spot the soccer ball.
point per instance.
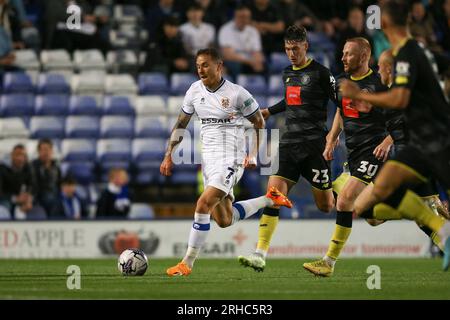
(132, 262)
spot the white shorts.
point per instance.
(222, 176)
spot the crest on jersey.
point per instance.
(202, 100)
(305, 79)
(225, 103)
(402, 68)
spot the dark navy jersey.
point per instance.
(396, 126)
(427, 114)
(307, 92)
(363, 131)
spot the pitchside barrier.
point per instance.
(293, 239)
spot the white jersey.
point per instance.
(221, 113)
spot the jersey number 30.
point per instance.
(371, 169)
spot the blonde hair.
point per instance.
(363, 45)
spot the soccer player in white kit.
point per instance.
(221, 107)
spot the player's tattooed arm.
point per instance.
(258, 122)
(176, 137)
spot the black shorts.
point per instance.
(305, 159)
(364, 167)
(426, 166)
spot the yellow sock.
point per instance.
(338, 241)
(436, 240)
(340, 181)
(267, 226)
(412, 207)
(382, 211)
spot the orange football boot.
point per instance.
(278, 198)
(181, 269)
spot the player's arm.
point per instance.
(276, 108)
(395, 98)
(332, 139)
(381, 152)
(258, 122)
(174, 140)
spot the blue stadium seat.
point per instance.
(184, 177)
(113, 150)
(47, 127)
(153, 83)
(262, 101)
(116, 127)
(276, 85)
(148, 149)
(255, 84)
(278, 61)
(106, 166)
(82, 171)
(118, 105)
(180, 82)
(16, 105)
(83, 105)
(78, 150)
(148, 126)
(52, 83)
(51, 105)
(141, 211)
(17, 82)
(82, 127)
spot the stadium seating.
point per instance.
(16, 104)
(13, 128)
(278, 61)
(27, 60)
(141, 211)
(78, 150)
(88, 83)
(122, 61)
(116, 127)
(150, 105)
(52, 60)
(151, 126)
(84, 105)
(17, 82)
(255, 84)
(89, 60)
(52, 83)
(276, 85)
(47, 127)
(119, 105)
(174, 105)
(180, 83)
(51, 105)
(128, 14)
(148, 149)
(122, 84)
(82, 171)
(153, 83)
(113, 150)
(82, 127)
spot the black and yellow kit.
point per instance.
(364, 131)
(307, 92)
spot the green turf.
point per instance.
(224, 279)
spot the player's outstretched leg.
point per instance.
(267, 226)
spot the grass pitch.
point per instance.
(224, 279)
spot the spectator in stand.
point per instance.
(215, 12)
(157, 14)
(421, 19)
(355, 28)
(443, 27)
(196, 34)
(298, 13)
(10, 36)
(115, 200)
(267, 19)
(56, 35)
(240, 44)
(16, 180)
(69, 205)
(167, 54)
(46, 175)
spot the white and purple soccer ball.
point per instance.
(132, 262)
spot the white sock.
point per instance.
(244, 209)
(331, 262)
(261, 252)
(197, 237)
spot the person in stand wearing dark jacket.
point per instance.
(69, 205)
(115, 200)
(47, 176)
